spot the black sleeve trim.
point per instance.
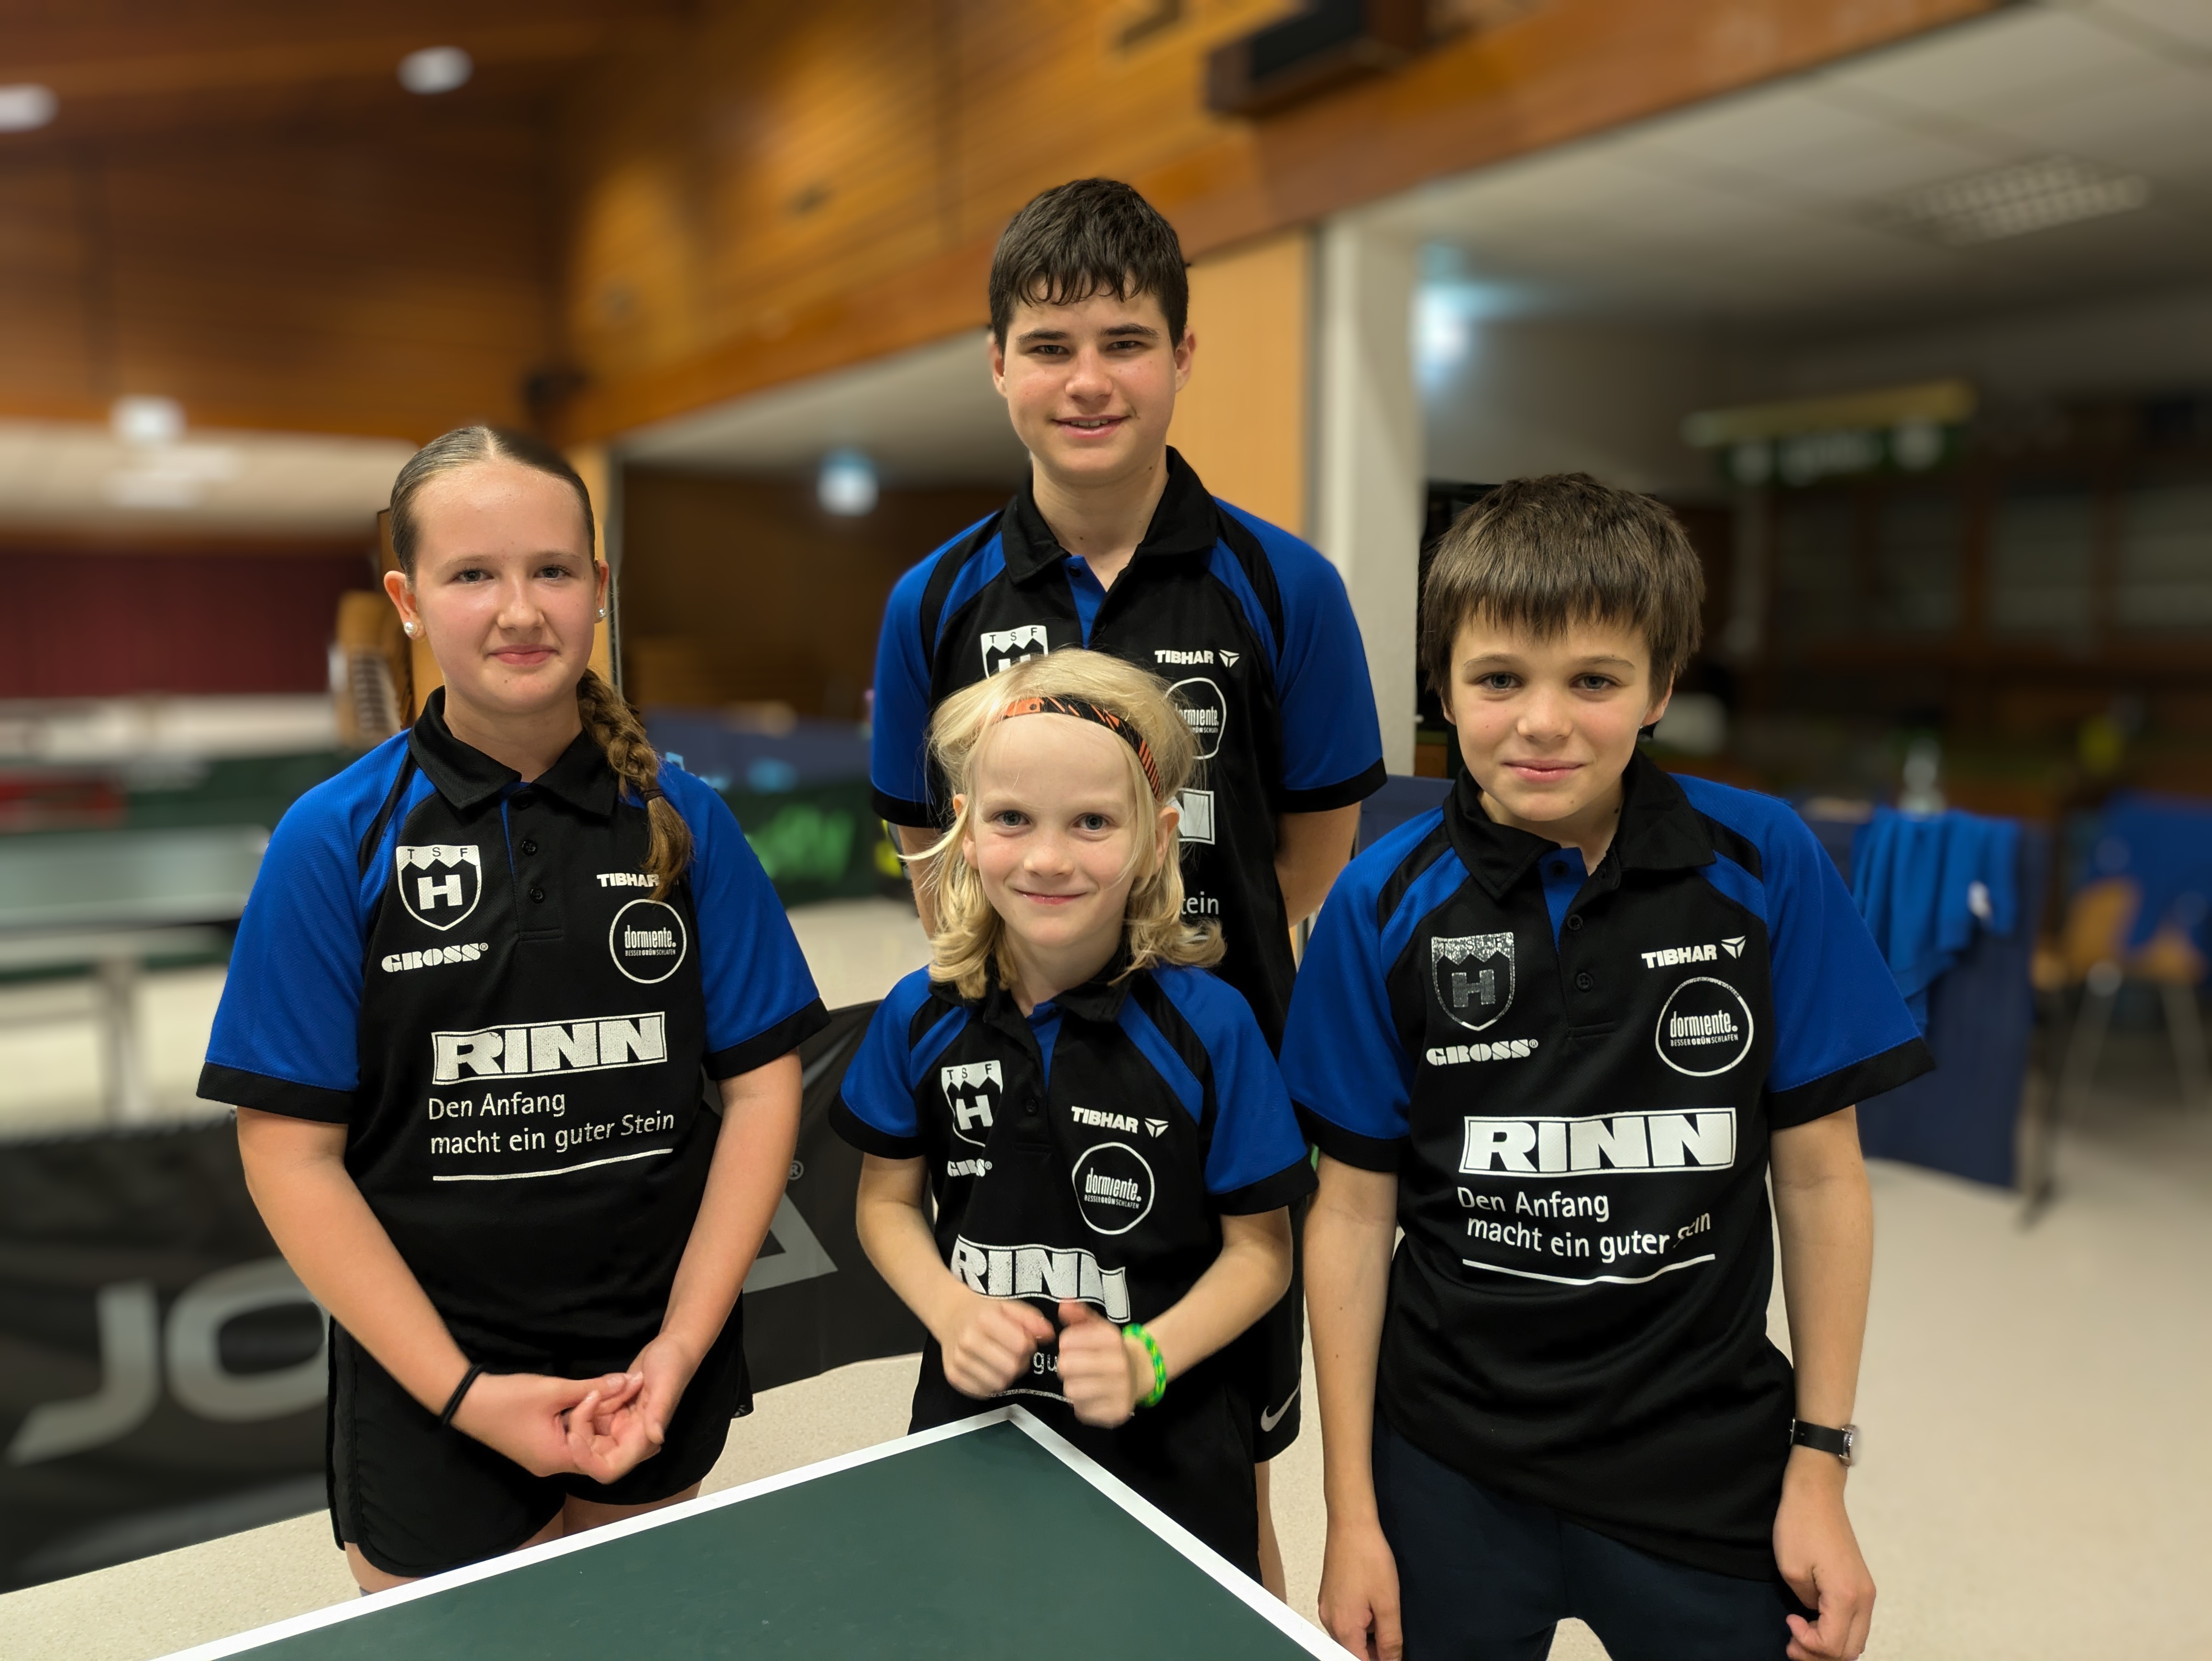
(1356, 789)
(786, 1035)
(914, 815)
(852, 1127)
(235, 1088)
(1349, 1146)
(1786, 1108)
(1272, 1193)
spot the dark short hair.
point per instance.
(1088, 237)
(1544, 554)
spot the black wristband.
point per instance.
(1821, 1439)
(453, 1402)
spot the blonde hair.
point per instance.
(970, 939)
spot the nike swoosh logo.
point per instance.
(1269, 1421)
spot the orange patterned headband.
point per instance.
(1083, 709)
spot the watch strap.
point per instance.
(1824, 1438)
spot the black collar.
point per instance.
(1659, 830)
(468, 778)
(1185, 522)
(1098, 998)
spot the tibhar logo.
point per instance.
(1474, 977)
(1704, 1028)
(552, 1047)
(1205, 711)
(449, 890)
(1701, 1139)
(1004, 647)
(1061, 1273)
(626, 879)
(1155, 1127)
(1124, 1122)
(1505, 1050)
(1168, 654)
(969, 1089)
(1197, 823)
(1669, 956)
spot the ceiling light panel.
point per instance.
(2014, 201)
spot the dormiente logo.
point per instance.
(1060, 1273)
(397, 962)
(1004, 647)
(970, 1088)
(548, 1048)
(1669, 956)
(1113, 1187)
(1474, 977)
(439, 884)
(647, 940)
(1705, 1027)
(1699, 1138)
(1205, 711)
(1505, 1050)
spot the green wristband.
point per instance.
(1135, 1330)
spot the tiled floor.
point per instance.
(2038, 1453)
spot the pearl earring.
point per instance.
(411, 629)
(603, 614)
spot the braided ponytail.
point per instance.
(615, 727)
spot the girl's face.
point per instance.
(505, 590)
(1053, 832)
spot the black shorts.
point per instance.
(1270, 1355)
(417, 1499)
(1486, 1576)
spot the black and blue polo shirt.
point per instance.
(1574, 1075)
(1088, 1150)
(1250, 626)
(469, 974)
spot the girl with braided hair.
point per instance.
(471, 998)
(1096, 1117)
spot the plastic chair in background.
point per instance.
(2092, 956)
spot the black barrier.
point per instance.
(161, 1372)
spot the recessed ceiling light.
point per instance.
(846, 486)
(436, 69)
(2011, 201)
(147, 420)
(25, 106)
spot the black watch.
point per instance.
(1823, 1439)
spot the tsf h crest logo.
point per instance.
(440, 884)
(1004, 647)
(972, 1090)
(1474, 977)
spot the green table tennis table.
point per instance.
(990, 1538)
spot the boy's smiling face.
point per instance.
(1091, 386)
(1547, 724)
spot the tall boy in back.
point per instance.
(1560, 1031)
(1114, 544)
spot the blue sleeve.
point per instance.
(1255, 1159)
(761, 1001)
(1347, 1070)
(287, 1031)
(1332, 741)
(898, 764)
(1841, 1029)
(875, 1109)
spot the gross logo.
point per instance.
(1004, 647)
(440, 884)
(1113, 1187)
(971, 1090)
(1205, 711)
(647, 940)
(1474, 977)
(1705, 1027)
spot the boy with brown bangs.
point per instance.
(1114, 544)
(1560, 1031)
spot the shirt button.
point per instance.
(528, 846)
(1583, 983)
(538, 895)
(1575, 921)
